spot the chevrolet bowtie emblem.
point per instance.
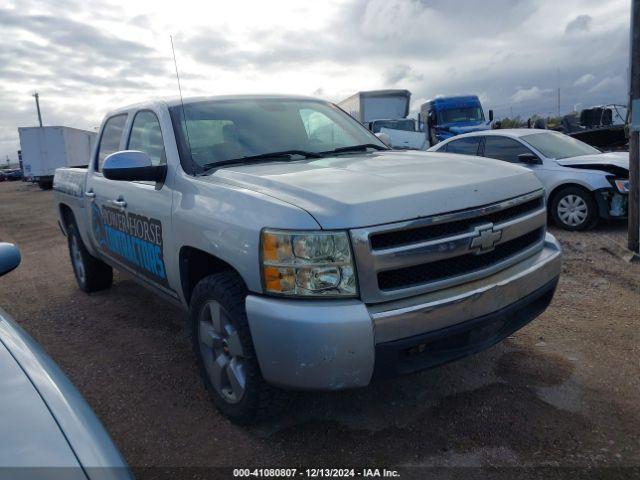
(485, 238)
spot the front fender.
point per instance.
(225, 221)
(588, 179)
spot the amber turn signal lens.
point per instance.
(269, 247)
(279, 279)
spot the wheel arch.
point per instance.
(66, 216)
(196, 264)
(595, 215)
(561, 186)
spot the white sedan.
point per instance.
(582, 184)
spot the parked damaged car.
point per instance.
(582, 184)
(47, 430)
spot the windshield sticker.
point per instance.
(132, 239)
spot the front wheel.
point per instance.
(226, 358)
(573, 208)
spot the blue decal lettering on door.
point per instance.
(132, 239)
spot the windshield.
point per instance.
(558, 145)
(404, 124)
(466, 114)
(224, 130)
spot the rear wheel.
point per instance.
(573, 208)
(91, 274)
(226, 358)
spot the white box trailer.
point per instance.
(377, 105)
(46, 148)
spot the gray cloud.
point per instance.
(364, 32)
(581, 23)
(585, 79)
(512, 53)
(401, 73)
(73, 35)
(66, 61)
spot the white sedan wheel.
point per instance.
(573, 210)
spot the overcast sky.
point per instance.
(87, 57)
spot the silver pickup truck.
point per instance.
(307, 254)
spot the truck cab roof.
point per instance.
(175, 101)
(454, 101)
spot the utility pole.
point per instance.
(558, 75)
(37, 97)
(634, 136)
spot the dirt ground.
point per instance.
(562, 392)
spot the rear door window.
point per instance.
(464, 146)
(110, 139)
(503, 148)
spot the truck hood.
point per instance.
(352, 191)
(615, 159)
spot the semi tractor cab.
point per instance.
(445, 117)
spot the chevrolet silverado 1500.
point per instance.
(307, 254)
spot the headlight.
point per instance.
(622, 184)
(307, 264)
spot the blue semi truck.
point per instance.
(444, 117)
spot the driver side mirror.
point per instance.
(529, 158)
(132, 165)
(9, 257)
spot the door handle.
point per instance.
(90, 194)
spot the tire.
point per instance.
(226, 358)
(573, 208)
(91, 274)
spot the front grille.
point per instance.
(399, 238)
(413, 257)
(452, 267)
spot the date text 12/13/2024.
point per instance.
(316, 472)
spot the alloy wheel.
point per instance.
(76, 258)
(221, 352)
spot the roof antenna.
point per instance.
(184, 115)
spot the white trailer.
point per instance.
(377, 105)
(46, 148)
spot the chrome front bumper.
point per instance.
(333, 344)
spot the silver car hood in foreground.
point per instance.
(29, 435)
(618, 159)
(358, 190)
(44, 421)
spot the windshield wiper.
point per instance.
(263, 156)
(356, 148)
